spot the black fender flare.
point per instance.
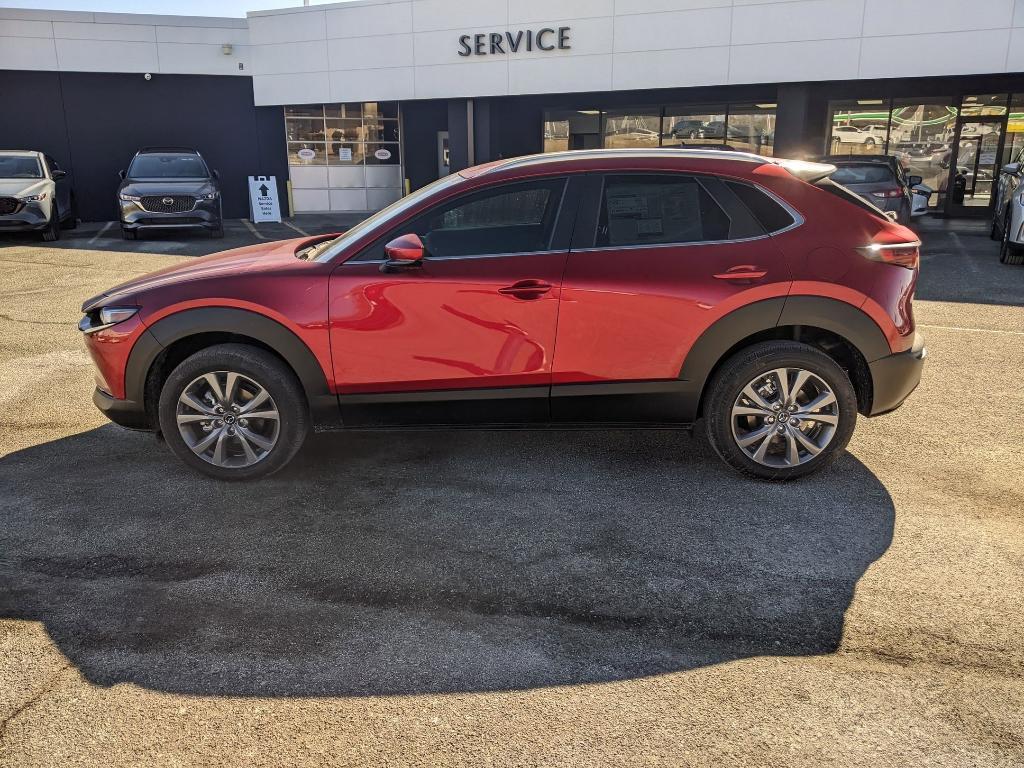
(842, 319)
(242, 322)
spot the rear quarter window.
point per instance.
(772, 216)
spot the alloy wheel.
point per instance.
(228, 419)
(784, 417)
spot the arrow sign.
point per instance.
(263, 202)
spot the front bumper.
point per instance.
(894, 377)
(124, 412)
(28, 217)
(205, 215)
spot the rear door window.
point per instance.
(656, 209)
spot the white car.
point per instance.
(1008, 212)
(851, 134)
(35, 194)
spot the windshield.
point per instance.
(863, 174)
(20, 167)
(167, 165)
(330, 249)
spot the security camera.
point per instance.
(148, 76)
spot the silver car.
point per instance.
(1008, 212)
(35, 194)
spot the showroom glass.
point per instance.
(654, 210)
(691, 125)
(20, 168)
(631, 129)
(1014, 129)
(858, 127)
(167, 166)
(984, 105)
(572, 129)
(345, 134)
(751, 128)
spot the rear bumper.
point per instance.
(894, 377)
(124, 412)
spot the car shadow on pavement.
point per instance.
(416, 562)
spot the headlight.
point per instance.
(130, 198)
(106, 317)
(207, 196)
(33, 198)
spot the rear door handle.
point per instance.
(526, 289)
(742, 273)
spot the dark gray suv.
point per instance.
(169, 188)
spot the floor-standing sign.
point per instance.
(263, 203)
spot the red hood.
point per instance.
(261, 257)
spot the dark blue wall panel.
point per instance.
(94, 122)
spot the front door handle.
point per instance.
(742, 273)
(526, 289)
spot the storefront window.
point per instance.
(921, 136)
(343, 134)
(633, 128)
(987, 105)
(751, 128)
(858, 127)
(572, 129)
(690, 125)
(1014, 129)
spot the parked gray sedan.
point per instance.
(35, 194)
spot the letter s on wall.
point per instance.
(464, 45)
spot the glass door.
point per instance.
(975, 162)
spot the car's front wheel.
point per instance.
(52, 231)
(780, 410)
(1009, 252)
(233, 412)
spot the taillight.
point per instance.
(901, 254)
(894, 192)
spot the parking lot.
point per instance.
(522, 598)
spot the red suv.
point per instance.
(627, 288)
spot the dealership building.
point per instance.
(351, 104)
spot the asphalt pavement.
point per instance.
(511, 598)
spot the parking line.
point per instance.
(98, 235)
(251, 228)
(971, 330)
(292, 226)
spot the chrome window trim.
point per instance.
(463, 258)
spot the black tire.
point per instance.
(52, 231)
(1009, 253)
(994, 232)
(217, 233)
(759, 359)
(129, 234)
(903, 217)
(260, 366)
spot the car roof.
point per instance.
(16, 152)
(179, 150)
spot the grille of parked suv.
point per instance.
(168, 203)
(156, 222)
(8, 205)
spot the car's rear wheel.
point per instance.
(1009, 252)
(780, 410)
(233, 412)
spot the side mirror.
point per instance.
(404, 252)
(122, 174)
(58, 175)
(216, 174)
(1012, 168)
(914, 180)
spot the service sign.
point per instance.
(263, 202)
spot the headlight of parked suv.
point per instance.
(207, 196)
(130, 198)
(105, 317)
(33, 198)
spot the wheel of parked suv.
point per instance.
(1009, 253)
(52, 231)
(780, 410)
(129, 234)
(72, 220)
(233, 412)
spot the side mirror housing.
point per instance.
(914, 180)
(404, 252)
(216, 174)
(1012, 168)
(57, 175)
(122, 174)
